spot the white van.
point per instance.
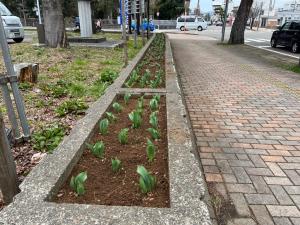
(12, 25)
(191, 23)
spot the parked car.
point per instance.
(219, 23)
(144, 25)
(12, 25)
(287, 35)
(191, 23)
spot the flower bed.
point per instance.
(121, 143)
(150, 72)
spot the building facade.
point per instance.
(290, 11)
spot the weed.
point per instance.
(47, 139)
(76, 107)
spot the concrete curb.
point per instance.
(31, 206)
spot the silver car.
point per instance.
(12, 25)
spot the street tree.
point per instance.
(237, 35)
(255, 12)
(55, 33)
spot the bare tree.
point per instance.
(55, 33)
(237, 35)
(255, 12)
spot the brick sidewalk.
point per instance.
(247, 128)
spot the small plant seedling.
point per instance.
(157, 97)
(103, 126)
(147, 181)
(123, 136)
(153, 120)
(153, 104)
(136, 119)
(141, 102)
(116, 165)
(147, 75)
(111, 117)
(127, 96)
(154, 133)
(77, 183)
(117, 107)
(150, 150)
(97, 149)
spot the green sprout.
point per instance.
(117, 107)
(153, 120)
(103, 126)
(127, 96)
(111, 117)
(157, 97)
(150, 150)
(147, 181)
(141, 103)
(154, 133)
(123, 136)
(153, 104)
(136, 119)
(116, 165)
(77, 183)
(97, 149)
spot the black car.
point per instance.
(287, 35)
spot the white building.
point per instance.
(290, 11)
(220, 4)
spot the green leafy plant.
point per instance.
(103, 126)
(47, 139)
(141, 102)
(154, 133)
(116, 165)
(117, 107)
(153, 120)
(132, 79)
(136, 119)
(147, 182)
(77, 183)
(150, 150)
(111, 117)
(123, 136)
(127, 96)
(97, 149)
(71, 107)
(153, 104)
(108, 75)
(157, 97)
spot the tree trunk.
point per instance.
(239, 25)
(55, 33)
(8, 175)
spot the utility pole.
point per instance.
(198, 8)
(124, 33)
(225, 20)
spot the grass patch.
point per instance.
(293, 68)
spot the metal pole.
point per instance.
(14, 85)
(124, 33)
(39, 11)
(148, 18)
(225, 21)
(8, 174)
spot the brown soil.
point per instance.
(103, 186)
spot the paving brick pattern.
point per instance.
(247, 131)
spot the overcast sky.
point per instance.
(206, 4)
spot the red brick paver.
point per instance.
(247, 130)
